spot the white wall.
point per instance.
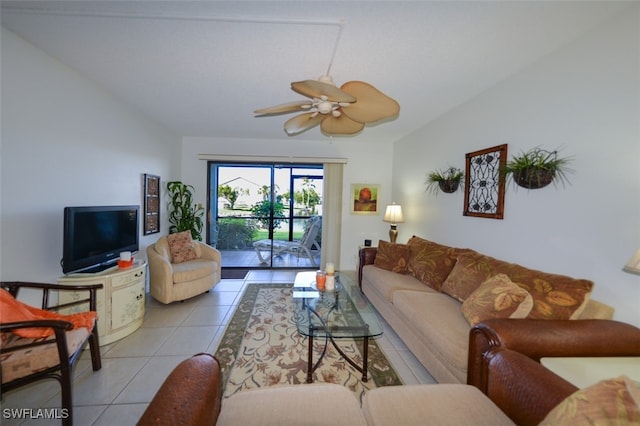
(367, 163)
(584, 99)
(65, 142)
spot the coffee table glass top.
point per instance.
(341, 313)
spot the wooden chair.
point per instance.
(305, 246)
(27, 360)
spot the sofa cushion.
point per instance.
(441, 404)
(392, 257)
(181, 247)
(611, 402)
(554, 296)
(386, 283)
(430, 262)
(312, 404)
(436, 321)
(497, 297)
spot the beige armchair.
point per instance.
(170, 281)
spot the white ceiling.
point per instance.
(201, 68)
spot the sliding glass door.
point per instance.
(265, 215)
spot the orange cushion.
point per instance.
(392, 257)
(498, 297)
(181, 247)
(430, 262)
(554, 296)
(12, 310)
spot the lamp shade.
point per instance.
(393, 214)
(633, 265)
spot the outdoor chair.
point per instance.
(302, 247)
(24, 360)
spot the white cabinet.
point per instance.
(121, 300)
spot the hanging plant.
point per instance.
(447, 181)
(184, 215)
(537, 168)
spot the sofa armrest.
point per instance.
(190, 395)
(522, 388)
(540, 338)
(366, 256)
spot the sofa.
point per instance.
(517, 389)
(181, 268)
(432, 295)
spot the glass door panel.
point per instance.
(260, 211)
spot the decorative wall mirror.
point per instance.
(485, 182)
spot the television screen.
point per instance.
(94, 236)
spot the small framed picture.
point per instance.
(364, 198)
(151, 215)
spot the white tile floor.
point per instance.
(133, 368)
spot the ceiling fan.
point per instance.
(338, 111)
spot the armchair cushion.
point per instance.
(181, 247)
(26, 361)
(612, 401)
(193, 270)
(12, 310)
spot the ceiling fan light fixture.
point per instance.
(325, 107)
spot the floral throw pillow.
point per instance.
(392, 257)
(430, 262)
(498, 297)
(554, 296)
(609, 402)
(181, 247)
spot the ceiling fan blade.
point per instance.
(341, 125)
(283, 108)
(318, 89)
(372, 105)
(302, 122)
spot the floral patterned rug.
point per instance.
(262, 347)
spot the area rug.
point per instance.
(262, 347)
(233, 274)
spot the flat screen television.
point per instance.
(94, 236)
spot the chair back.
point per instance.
(312, 227)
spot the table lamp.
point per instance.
(633, 265)
(393, 215)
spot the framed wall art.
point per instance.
(151, 215)
(485, 182)
(364, 198)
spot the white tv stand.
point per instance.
(121, 301)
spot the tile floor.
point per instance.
(133, 368)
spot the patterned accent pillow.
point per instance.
(498, 297)
(392, 257)
(609, 402)
(431, 262)
(181, 247)
(554, 296)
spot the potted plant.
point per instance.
(183, 213)
(447, 181)
(537, 168)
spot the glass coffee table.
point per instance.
(343, 313)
